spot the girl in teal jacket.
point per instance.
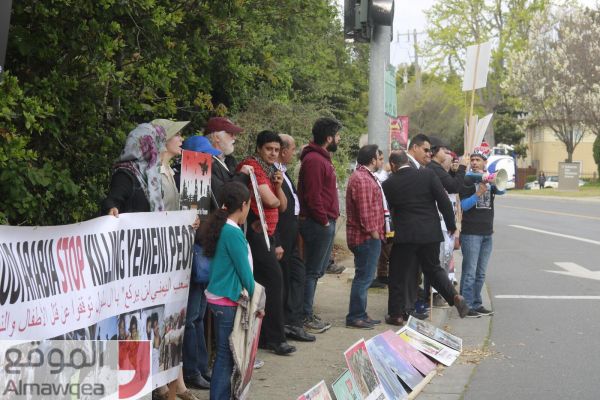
(230, 271)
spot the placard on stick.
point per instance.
(195, 193)
(476, 68)
(261, 210)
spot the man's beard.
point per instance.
(332, 147)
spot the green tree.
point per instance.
(453, 25)
(436, 109)
(596, 150)
(83, 74)
(507, 128)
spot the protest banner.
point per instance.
(109, 278)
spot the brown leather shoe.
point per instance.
(398, 321)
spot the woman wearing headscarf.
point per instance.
(136, 182)
(143, 181)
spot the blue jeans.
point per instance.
(220, 384)
(366, 256)
(476, 251)
(318, 243)
(195, 355)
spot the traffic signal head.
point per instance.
(361, 16)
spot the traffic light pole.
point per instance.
(380, 54)
(5, 7)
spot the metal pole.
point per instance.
(378, 125)
(417, 67)
(5, 7)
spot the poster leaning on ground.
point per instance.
(363, 373)
(434, 349)
(435, 333)
(317, 392)
(344, 387)
(109, 278)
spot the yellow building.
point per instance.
(545, 151)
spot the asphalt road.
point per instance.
(543, 347)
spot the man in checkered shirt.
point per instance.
(365, 230)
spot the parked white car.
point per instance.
(535, 185)
(551, 182)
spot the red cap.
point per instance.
(219, 124)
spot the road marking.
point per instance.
(556, 234)
(576, 270)
(551, 212)
(523, 296)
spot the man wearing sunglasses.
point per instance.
(419, 151)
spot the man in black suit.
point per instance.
(419, 151)
(412, 195)
(286, 236)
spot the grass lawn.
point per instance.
(588, 190)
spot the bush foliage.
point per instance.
(81, 74)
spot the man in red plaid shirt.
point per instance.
(364, 231)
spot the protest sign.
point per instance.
(386, 364)
(108, 278)
(430, 347)
(261, 210)
(318, 392)
(344, 387)
(362, 371)
(195, 182)
(435, 333)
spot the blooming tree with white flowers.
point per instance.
(557, 76)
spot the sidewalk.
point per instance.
(289, 377)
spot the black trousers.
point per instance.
(404, 263)
(267, 272)
(294, 272)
